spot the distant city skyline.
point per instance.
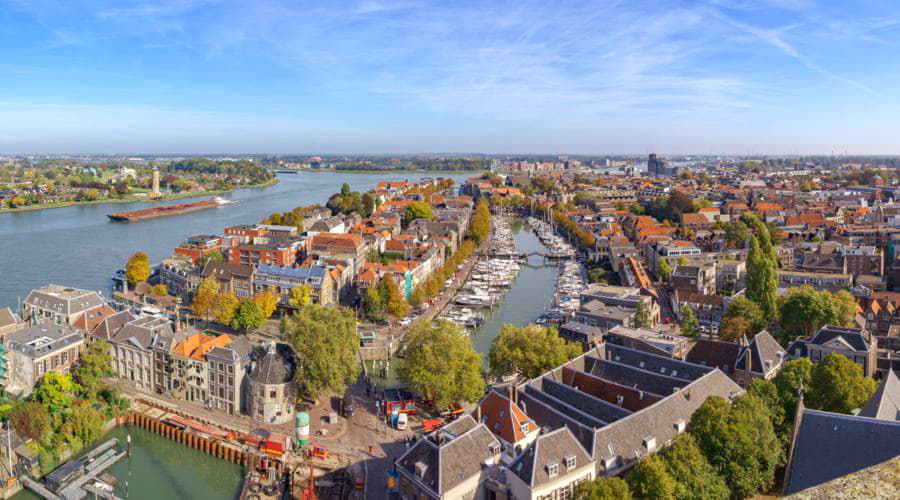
(731, 77)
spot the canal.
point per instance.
(79, 246)
(162, 468)
(528, 297)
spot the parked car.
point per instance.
(347, 406)
(402, 421)
(405, 321)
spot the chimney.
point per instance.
(478, 413)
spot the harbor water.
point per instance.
(161, 468)
(79, 246)
(530, 295)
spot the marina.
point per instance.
(489, 280)
(557, 246)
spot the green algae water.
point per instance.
(161, 468)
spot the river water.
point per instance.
(161, 468)
(79, 246)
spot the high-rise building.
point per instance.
(656, 166)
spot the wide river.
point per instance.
(79, 246)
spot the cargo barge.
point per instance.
(166, 210)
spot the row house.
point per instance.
(832, 282)
(708, 309)
(230, 277)
(347, 247)
(33, 351)
(175, 273)
(211, 370)
(699, 278)
(281, 280)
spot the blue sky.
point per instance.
(632, 76)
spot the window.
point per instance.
(570, 462)
(272, 393)
(553, 469)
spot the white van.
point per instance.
(402, 421)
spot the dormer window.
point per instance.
(570, 462)
(553, 469)
(649, 443)
(494, 448)
(680, 425)
(524, 428)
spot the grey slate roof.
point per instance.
(63, 299)
(554, 446)
(239, 348)
(831, 445)
(625, 437)
(40, 340)
(763, 348)
(458, 458)
(110, 325)
(275, 367)
(143, 332)
(855, 337)
(885, 402)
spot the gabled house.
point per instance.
(551, 467)
(508, 423)
(761, 358)
(455, 462)
(859, 345)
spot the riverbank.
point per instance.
(137, 199)
(393, 171)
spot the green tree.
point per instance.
(793, 375)
(418, 210)
(742, 307)
(248, 315)
(204, 304)
(839, 385)
(441, 364)
(137, 270)
(55, 391)
(805, 310)
(696, 479)
(225, 305)
(650, 479)
(689, 323)
(602, 488)
(529, 351)
(766, 392)
(736, 234)
(95, 363)
(664, 271)
(762, 279)
(327, 345)
(641, 317)
(739, 442)
(84, 423)
(598, 275)
(368, 203)
(345, 189)
(31, 420)
(301, 296)
(373, 306)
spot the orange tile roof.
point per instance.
(196, 346)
